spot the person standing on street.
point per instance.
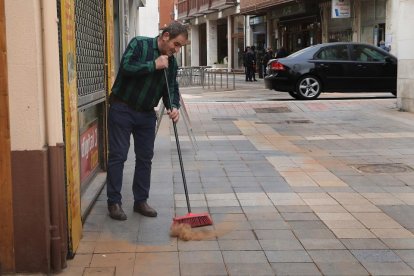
(139, 86)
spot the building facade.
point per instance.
(58, 62)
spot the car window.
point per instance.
(365, 53)
(337, 52)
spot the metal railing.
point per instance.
(206, 77)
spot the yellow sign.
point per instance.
(110, 43)
(71, 123)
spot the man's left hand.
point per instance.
(174, 114)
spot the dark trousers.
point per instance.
(122, 122)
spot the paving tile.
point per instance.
(393, 243)
(161, 263)
(198, 245)
(288, 256)
(238, 235)
(372, 256)
(335, 216)
(310, 244)
(262, 269)
(344, 224)
(297, 269)
(299, 216)
(118, 260)
(239, 245)
(392, 233)
(96, 271)
(332, 256)
(268, 224)
(80, 260)
(314, 234)
(388, 269)
(316, 224)
(191, 269)
(274, 234)
(247, 257)
(281, 244)
(406, 255)
(342, 268)
(201, 257)
(363, 244)
(328, 208)
(353, 233)
(376, 220)
(361, 208)
(294, 209)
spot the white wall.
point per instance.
(405, 45)
(148, 19)
(25, 74)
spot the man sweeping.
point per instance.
(139, 85)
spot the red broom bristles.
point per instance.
(194, 220)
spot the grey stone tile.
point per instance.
(274, 234)
(239, 245)
(198, 245)
(372, 256)
(363, 244)
(310, 244)
(288, 256)
(342, 268)
(403, 214)
(246, 257)
(399, 243)
(406, 255)
(297, 269)
(294, 209)
(242, 269)
(314, 234)
(388, 269)
(226, 210)
(316, 224)
(95, 271)
(191, 269)
(164, 263)
(268, 224)
(332, 256)
(299, 216)
(201, 257)
(239, 235)
(281, 244)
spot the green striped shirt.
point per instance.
(138, 83)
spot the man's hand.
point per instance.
(161, 62)
(174, 114)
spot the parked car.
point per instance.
(333, 67)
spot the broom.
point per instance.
(194, 220)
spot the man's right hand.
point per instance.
(161, 62)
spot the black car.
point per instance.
(333, 67)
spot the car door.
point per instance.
(332, 67)
(373, 69)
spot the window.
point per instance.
(337, 52)
(366, 53)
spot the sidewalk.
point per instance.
(308, 188)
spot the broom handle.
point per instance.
(177, 141)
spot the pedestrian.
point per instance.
(267, 56)
(139, 85)
(281, 53)
(254, 67)
(245, 63)
(383, 46)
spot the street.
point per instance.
(320, 187)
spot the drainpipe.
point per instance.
(54, 134)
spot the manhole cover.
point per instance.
(278, 109)
(383, 168)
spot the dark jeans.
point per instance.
(122, 122)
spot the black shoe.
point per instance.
(116, 212)
(254, 80)
(144, 209)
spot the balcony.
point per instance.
(222, 4)
(191, 8)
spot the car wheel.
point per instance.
(294, 95)
(308, 88)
